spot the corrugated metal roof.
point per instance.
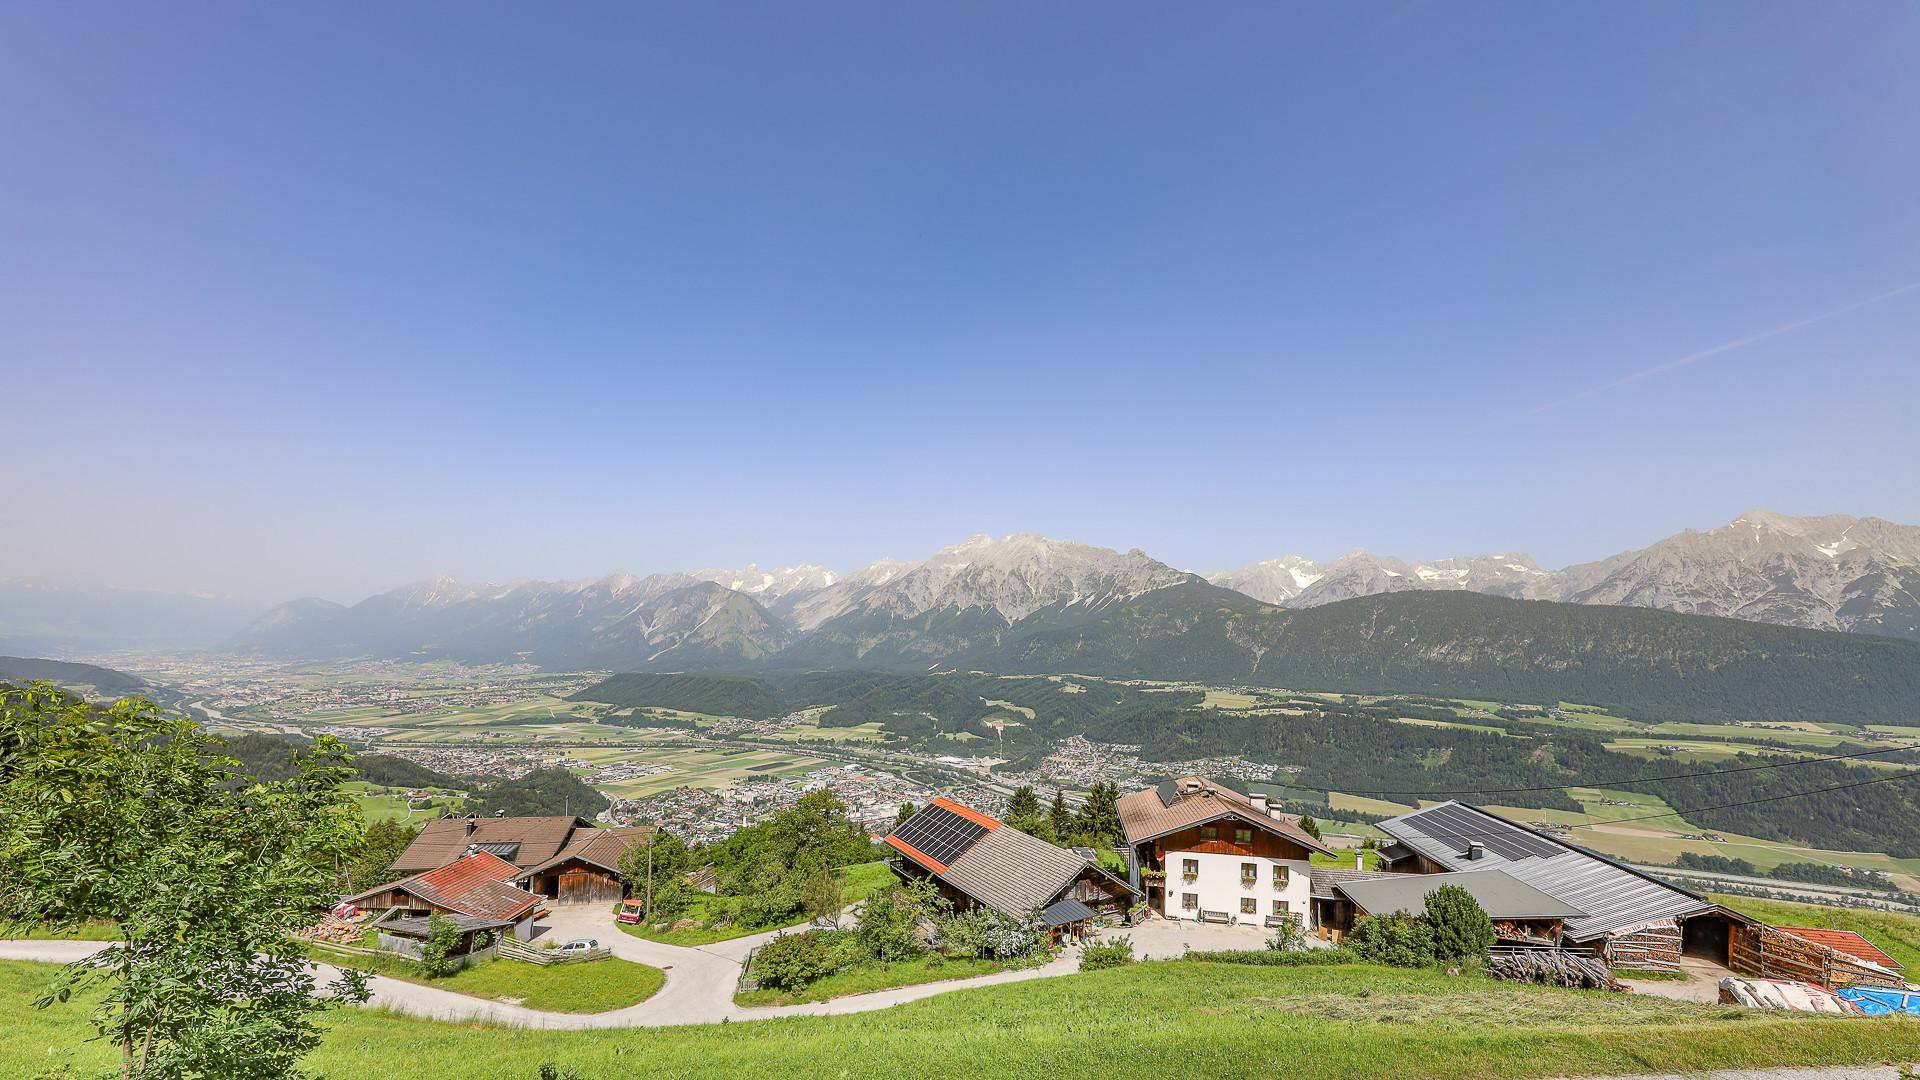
(1500, 894)
(1155, 812)
(1613, 897)
(1062, 912)
(1844, 941)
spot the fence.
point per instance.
(519, 950)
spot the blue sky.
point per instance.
(323, 298)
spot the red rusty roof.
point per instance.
(967, 812)
(474, 884)
(1844, 941)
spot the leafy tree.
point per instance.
(440, 952)
(656, 871)
(1399, 940)
(820, 897)
(382, 843)
(1058, 816)
(1461, 929)
(1309, 826)
(129, 815)
(1289, 936)
(889, 927)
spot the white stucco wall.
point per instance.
(1219, 887)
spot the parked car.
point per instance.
(580, 944)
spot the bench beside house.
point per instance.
(975, 860)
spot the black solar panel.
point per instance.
(503, 848)
(1457, 827)
(940, 834)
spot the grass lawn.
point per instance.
(868, 978)
(1179, 1018)
(92, 930)
(1897, 935)
(593, 986)
(857, 882)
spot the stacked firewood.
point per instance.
(1552, 968)
(329, 928)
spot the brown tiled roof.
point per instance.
(473, 885)
(1159, 811)
(601, 847)
(445, 839)
(1843, 941)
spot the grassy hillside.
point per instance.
(1167, 1019)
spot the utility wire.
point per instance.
(1607, 783)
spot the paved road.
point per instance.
(699, 989)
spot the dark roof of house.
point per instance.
(1064, 911)
(1614, 897)
(1500, 895)
(474, 884)
(417, 926)
(996, 865)
(1324, 878)
(603, 848)
(1844, 941)
(443, 840)
(1194, 800)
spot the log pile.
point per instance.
(331, 929)
(1550, 967)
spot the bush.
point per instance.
(889, 927)
(985, 933)
(1399, 940)
(791, 961)
(1115, 953)
(438, 955)
(1460, 929)
(1289, 936)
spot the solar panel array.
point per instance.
(503, 848)
(1457, 827)
(940, 834)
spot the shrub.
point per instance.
(791, 961)
(1399, 940)
(1460, 928)
(1289, 936)
(889, 926)
(1115, 953)
(438, 957)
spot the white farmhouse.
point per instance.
(1208, 853)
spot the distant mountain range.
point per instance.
(1026, 602)
(40, 616)
(1824, 573)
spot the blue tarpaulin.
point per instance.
(1882, 1000)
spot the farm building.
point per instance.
(1631, 918)
(1521, 914)
(978, 861)
(525, 842)
(587, 870)
(1209, 853)
(473, 891)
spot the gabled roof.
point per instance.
(1613, 896)
(1325, 878)
(995, 864)
(1500, 895)
(1844, 941)
(473, 885)
(1195, 800)
(443, 840)
(603, 848)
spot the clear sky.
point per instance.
(321, 298)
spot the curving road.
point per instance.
(699, 988)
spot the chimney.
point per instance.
(1260, 803)
(471, 825)
(1359, 860)
(1475, 852)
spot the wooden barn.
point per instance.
(587, 870)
